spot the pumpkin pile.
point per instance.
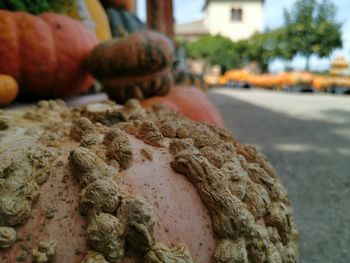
(287, 80)
(110, 183)
(45, 53)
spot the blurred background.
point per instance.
(237, 20)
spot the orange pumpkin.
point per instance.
(321, 83)
(8, 89)
(145, 187)
(191, 102)
(45, 53)
(236, 75)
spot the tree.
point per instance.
(262, 48)
(311, 28)
(215, 50)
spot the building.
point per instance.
(235, 19)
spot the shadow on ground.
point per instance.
(313, 161)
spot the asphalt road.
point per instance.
(307, 138)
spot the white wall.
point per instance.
(218, 19)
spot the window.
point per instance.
(236, 14)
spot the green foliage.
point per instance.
(263, 48)
(216, 50)
(311, 28)
(260, 48)
(37, 6)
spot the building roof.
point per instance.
(208, 1)
(191, 28)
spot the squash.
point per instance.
(45, 53)
(191, 102)
(98, 14)
(105, 183)
(8, 89)
(137, 66)
(123, 22)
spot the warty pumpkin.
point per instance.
(190, 102)
(136, 66)
(8, 89)
(106, 183)
(45, 53)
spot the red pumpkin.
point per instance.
(45, 53)
(191, 102)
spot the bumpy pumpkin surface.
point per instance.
(45, 53)
(106, 183)
(137, 66)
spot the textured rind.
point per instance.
(94, 257)
(7, 236)
(19, 186)
(115, 218)
(44, 252)
(161, 253)
(119, 148)
(250, 210)
(105, 234)
(243, 196)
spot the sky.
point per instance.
(191, 10)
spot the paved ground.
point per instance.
(307, 139)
